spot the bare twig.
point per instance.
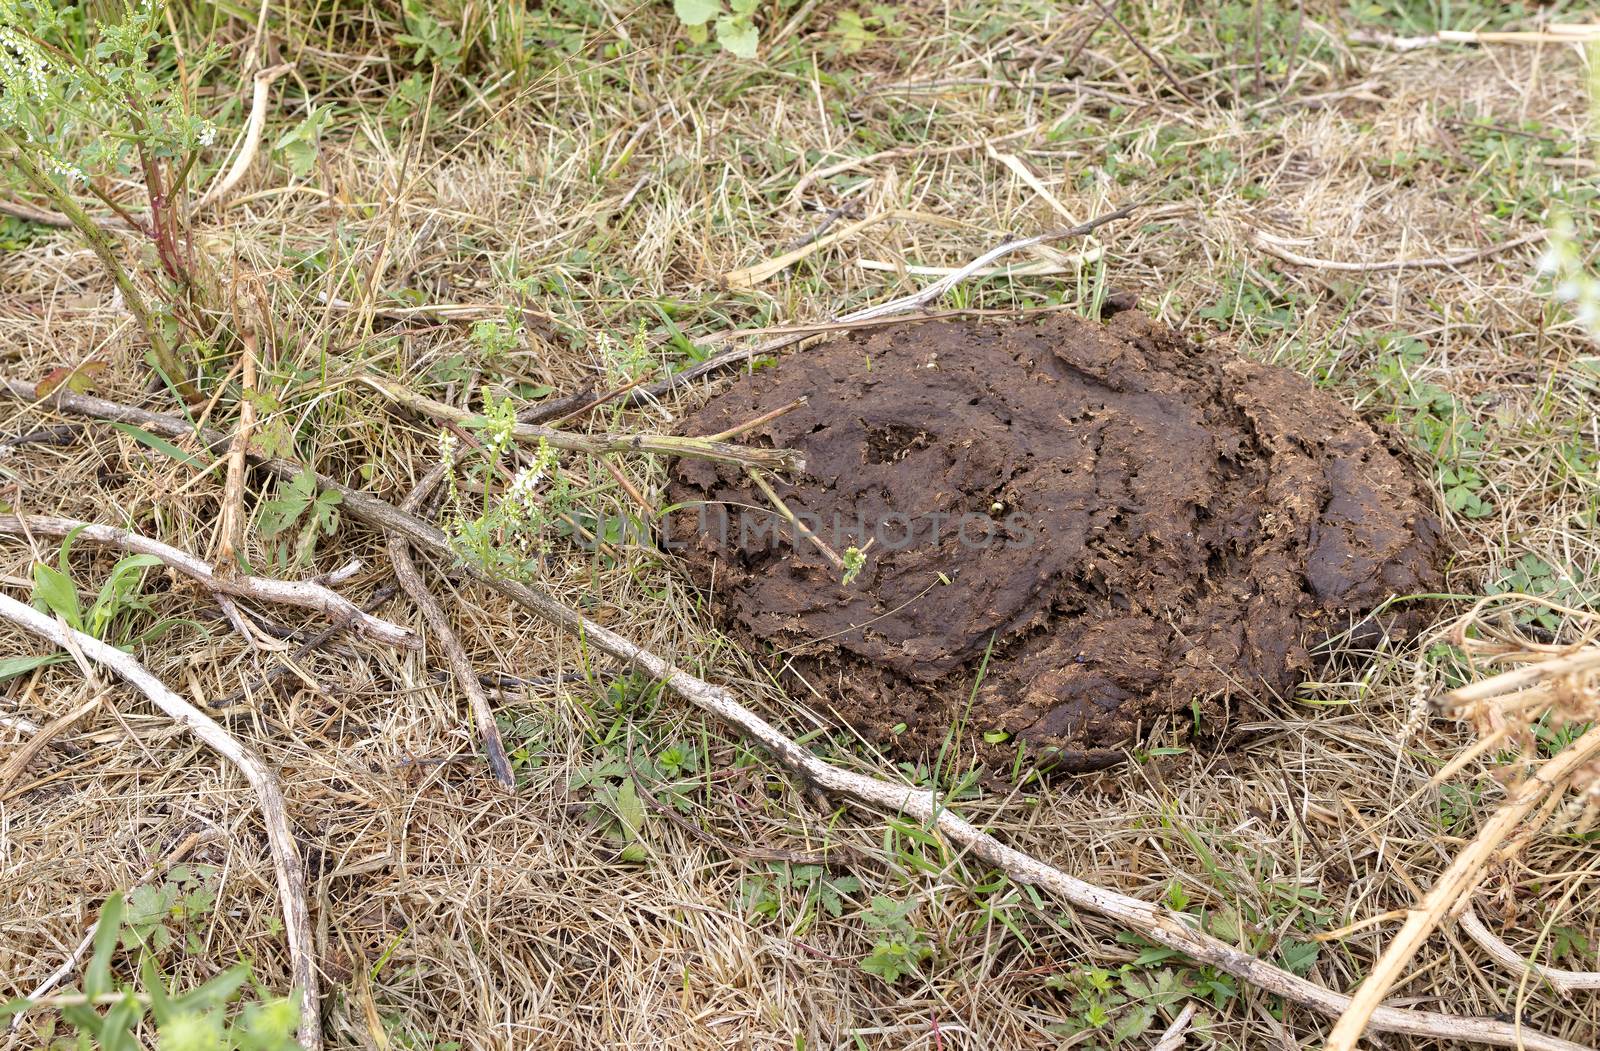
(264, 589)
(596, 444)
(851, 164)
(315, 642)
(1172, 1039)
(1563, 982)
(230, 523)
(1170, 929)
(252, 135)
(1456, 882)
(405, 571)
(274, 813)
(799, 527)
(1144, 49)
(42, 738)
(926, 295)
(1271, 247)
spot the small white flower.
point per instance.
(207, 134)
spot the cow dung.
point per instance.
(1072, 530)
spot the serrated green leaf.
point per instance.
(630, 809)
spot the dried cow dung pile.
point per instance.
(1126, 523)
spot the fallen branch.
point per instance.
(1551, 34)
(878, 314)
(596, 444)
(263, 589)
(1272, 247)
(274, 814)
(252, 136)
(405, 571)
(1564, 982)
(1172, 930)
(1457, 881)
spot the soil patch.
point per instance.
(1111, 524)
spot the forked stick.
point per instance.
(274, 814)
(302, 593)
(1163, 926)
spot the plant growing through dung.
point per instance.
(81, 107)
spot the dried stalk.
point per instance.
(274, 813)
(263, 589)
(1271, 247)
(904, 305)
(596, 444)
(406, 572)
(1457, 881)
(1170, 929)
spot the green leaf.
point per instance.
(278, 514)
(737, 33)
(116, 1032)
(161, 445)
(11, 667)
(97, 976)
(54, 591)
(696, 12)
(215, 992)
(630, 809)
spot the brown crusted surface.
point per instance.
(1149, 525)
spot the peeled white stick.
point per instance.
(305, 593)
(252, 136)
(274, 814)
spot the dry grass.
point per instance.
(630, 177)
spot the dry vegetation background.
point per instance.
(590, 170)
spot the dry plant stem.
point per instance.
(252, 136)
(1426, 262)
(750, 425)
(405, 571)
(230, 526)
(800, 527)
(1170, 929)
(42, 739)
(1144, 49)
(100, 244)
(1172, 1039)
(1563, 982)
(29, 214)
(597, 444)
(917, 300)
(1456, 882)
(59, 975)
(274, 814)
(1583, 661)
(878, 314)
(263, 589)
